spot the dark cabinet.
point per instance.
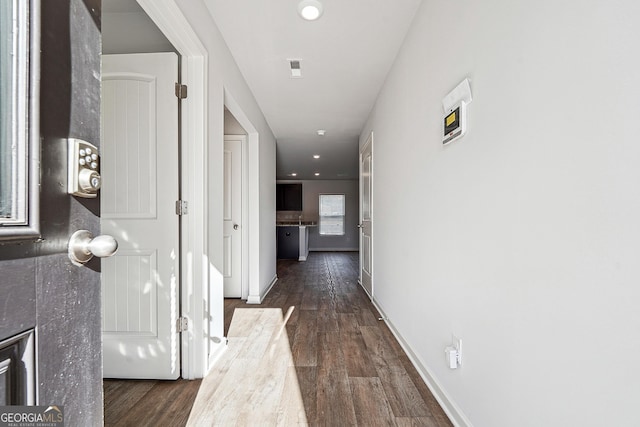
(289, 197)
(288, 242)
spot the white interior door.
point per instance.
(233, 163)
(366, 250)
(140, 284)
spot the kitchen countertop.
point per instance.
(296, 223)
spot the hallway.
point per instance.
(351, 370)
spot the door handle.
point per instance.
(83, 246)
(235, 226)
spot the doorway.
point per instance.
(169, 19)
(366, 216)
(140, 168)
(235, 207)
(240, 123)
(235, 216)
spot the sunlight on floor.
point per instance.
(255, 381)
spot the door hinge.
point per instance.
(183, 324)
(181, 91)
(182, 207)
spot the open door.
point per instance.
(366, 249)
(140, 163)
(42, 294)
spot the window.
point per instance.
(18, 119)
(332, 214)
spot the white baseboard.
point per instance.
(257, 299)
(254, 299)
(455, 414)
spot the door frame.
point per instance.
(367, 143)
(251, 211)
(168, 17)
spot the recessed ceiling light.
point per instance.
(317, 174)
(321, 132)
(293, 174)
(316, 156)
(310, 9)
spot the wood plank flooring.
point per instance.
(254, 382)
(350, 369)
(148, 402)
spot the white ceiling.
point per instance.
(345, 57)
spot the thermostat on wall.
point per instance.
(455, 123)
(455, 112)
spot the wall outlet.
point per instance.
(457, 344)
(453, 353)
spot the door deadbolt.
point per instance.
(89, 181)
(83, 168)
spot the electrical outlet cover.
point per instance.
(457, 344)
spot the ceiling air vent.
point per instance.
(294, 64)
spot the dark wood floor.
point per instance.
(351, 370)
(148, 403)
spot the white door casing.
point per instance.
(140, 284)
(233, 215)
(366, 215)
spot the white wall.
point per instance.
(524, 236)
(132, 32)
(224, 76)
(231, 125)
